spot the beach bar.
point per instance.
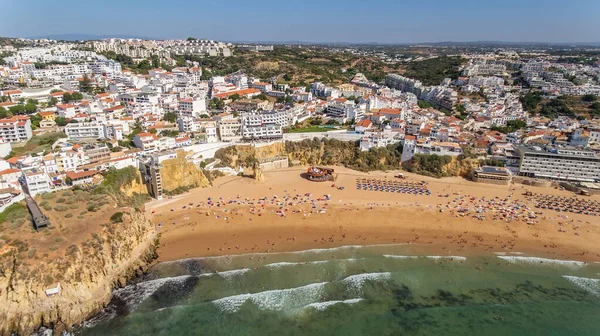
(492, 175)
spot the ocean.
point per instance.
(353, 290)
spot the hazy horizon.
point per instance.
(311, 21)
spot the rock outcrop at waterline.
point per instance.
(87, 273)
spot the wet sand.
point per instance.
(357, 217)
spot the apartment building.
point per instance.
(559, 163)
(283, 118)
(412, 147)
(250, 104)
(15, 129)
(191, 107)
(262, 86)
(36, 181)
(150, 167)
(206, 127)
(230, 130)
(85, 130)
(145, 141)
(263, 132)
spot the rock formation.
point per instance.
(179, 172)
(87, 274)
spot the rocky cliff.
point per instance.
(181, 173)
(87, 272)
(458, 167)
(135, 186)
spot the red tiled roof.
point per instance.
(77, 175)
(389, 111)
(9, 170)
(243, 92)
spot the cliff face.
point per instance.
(179, 172)
(458, 167)
(87, 273)
(135, 186)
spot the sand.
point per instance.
(357, 217)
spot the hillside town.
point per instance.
(70, 113)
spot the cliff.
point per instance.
(246, 155)
(88, 256)
(134, 186)
(180, 173)
(458, 167)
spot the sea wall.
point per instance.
(87, 274)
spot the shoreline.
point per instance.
(232, 225)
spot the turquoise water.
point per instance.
(377, 290)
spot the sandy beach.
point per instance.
(288, 213)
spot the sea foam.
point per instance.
(543, 261)
(587, 284)
(324, 305)
(233, 273)
(278, 299)
(356, 282)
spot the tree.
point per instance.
(35, 121)
(287, 77)
(589, 98)
(170, 117)
(53, 101)
(216, 103)
(191, 39)
(61, 121)
(531, 101)
(153, 131)
(423, 104)
(316, 121)
(235, 97)
(460, 108)
(32, 101)
(169, 133)
(4, 113)
(30, 108)
(204, 116)
(261, 96)
(85, 85)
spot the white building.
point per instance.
(230, 130)
(191, 107)
(265, 131)
(85, 130)
(15, 129)
(36, 181)
(559, 163)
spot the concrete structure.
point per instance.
(230, 130)
(15, 129)
(274, 163)
(492, 175)
(559, 163)
(150, 167)
(85, 130)
(36, 181)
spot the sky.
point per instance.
(359, 21)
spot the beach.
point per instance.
(289, 213)
(292, 257)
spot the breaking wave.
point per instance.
(543, 261)
(324, 305)
(587, 284)
(278, 299)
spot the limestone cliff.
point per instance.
(87, 273)
(458, 167)
(135, 186)
(246, 155)
(179, 172)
